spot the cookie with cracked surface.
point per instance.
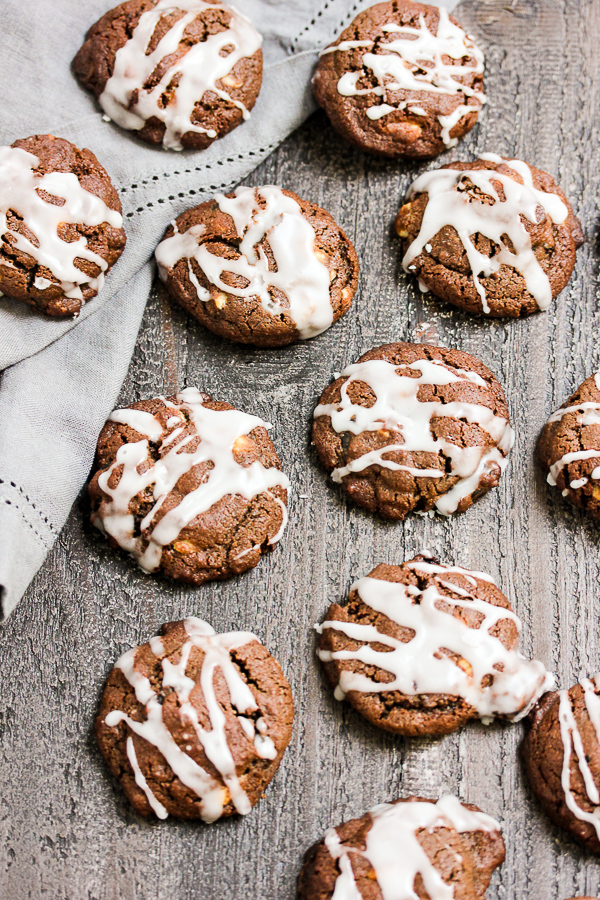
(180, 73)
(423, 648)
(402, 80)
(189, 486)
(561, 756)
(194, 724)
(494, 236)
(569, 447)
(432, 849)
(61, 227)
(259, 266)
(414, 428)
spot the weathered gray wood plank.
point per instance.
(65, 832)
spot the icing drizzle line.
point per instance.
(571, 739)
(130, 104)
(395, 853)
(217, 655)
(20, 191)
(219, 432)
(299, 274)
(420, 665)
(398, 408)
(415, 62)
(449, 204)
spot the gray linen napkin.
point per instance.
(61, 378)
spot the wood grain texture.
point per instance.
(65, 831)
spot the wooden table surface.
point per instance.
(66, 832)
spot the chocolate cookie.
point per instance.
(430, 849)
(60, 224)
(194, 724)
(422, 648)
(402, 80)
(493, 236)
(561, 754)
(179, 74)
(189, 486)
(414, 428)
(259, 266)
(569, 447)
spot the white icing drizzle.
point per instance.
(20, 188)
(450, 204)
(571, 739)
(588, 414)
(398, 408)
(395, 853)
(414, 62)
(420, 667)
(218, 431)
(299, 274)
(217, 655)
(186, 81)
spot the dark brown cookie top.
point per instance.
(569, 447)
(421, 648)
(412, 427)
(189, 486)
(493, 236)
(179, 74)
(402, 80)
(61, 224)
(564, 743)
(418, 843)
(259, 266)
(194, 724)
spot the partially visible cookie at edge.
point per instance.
(259, 266)
(403, 79)
(194, 724)
(561, 756)
(413, 842)
(569, 447)
(61, 224)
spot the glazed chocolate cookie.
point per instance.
(422, 648)
(259, 266)
(402, 80)
(180, 74)
(569, 447)
(60, 224)
(432, 849)
(189, 486)
(563, 744)
(492, 236)
(414, 428)
(194, 724)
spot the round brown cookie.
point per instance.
(463, 859)
(390, 100)
(49, 259)
(194, 745)
(182, 77)
(189, 486)
(501, 224)
(569, 447)
(462, 425)
(544, 753)
(415, 714)
(298, 277)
